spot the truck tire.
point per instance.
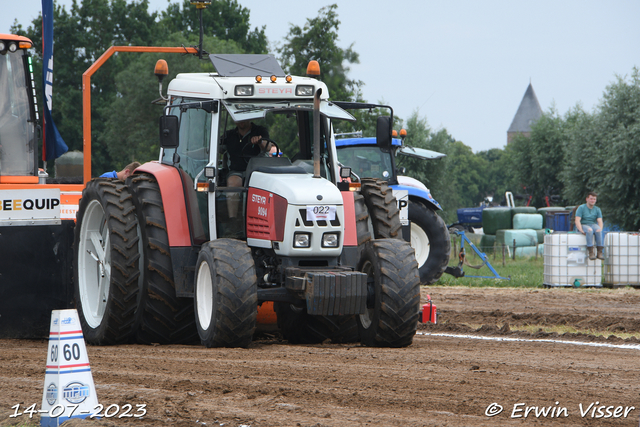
(298, 327)
(383, 209)
(162, 317)
(226, 294)
(431, 241)
(394, 289)
(106, 263)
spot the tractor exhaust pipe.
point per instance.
(316, 134)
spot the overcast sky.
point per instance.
(464, 65)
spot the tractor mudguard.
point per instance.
(173, 201)
(417, 193)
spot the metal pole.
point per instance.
(316, 134)
(514, 249)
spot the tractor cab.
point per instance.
(18, 112)
(207, 149)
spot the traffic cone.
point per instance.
(69, 391)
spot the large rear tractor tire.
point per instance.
(394, 294)
(431, 240)
(226, 294)
(106, 263)
(383, 209)
(162, 317)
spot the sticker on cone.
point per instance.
(69, 391)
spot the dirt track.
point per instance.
(439, 380)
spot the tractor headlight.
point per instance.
(244, 90)
(304, 90)
(301, 240)
(330, 240)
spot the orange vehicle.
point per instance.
(36, 218)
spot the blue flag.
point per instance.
(53, 144)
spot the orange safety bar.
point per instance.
(86, 93)
(5, 179)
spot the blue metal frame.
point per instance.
(482, 255)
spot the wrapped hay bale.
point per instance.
(530, 251)
(521, 237)
(523, 209)
(486, 243)
(494, 219)
(523, 221)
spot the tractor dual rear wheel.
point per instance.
(106, 263)
(394, 294)
(162, 316)
(226, 294)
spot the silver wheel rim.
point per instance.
(94, 264)
(204, 295)
(366, 318)
(420, 244)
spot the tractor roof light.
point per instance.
(3, 46)
(161, 70)
(273, 78)
(394, 133)
(13, 47)
(403, 133)
(25, 45)
(313, 68)
(258, 79)
(288, 79)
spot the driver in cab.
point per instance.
(243, 142)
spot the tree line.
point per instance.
(565, 156)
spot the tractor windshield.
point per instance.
(367, 161)
(287, 124)
(17, 129)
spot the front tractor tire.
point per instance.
(226, 294)
(106, 263)
(431, 241)
(393, 288)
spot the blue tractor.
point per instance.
(422, 226)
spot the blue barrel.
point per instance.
(558, 220)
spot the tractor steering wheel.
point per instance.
(263, 151)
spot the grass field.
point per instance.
(524, 272)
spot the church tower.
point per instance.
(528, 113)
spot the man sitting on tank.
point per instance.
(589, 223)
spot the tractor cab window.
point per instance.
(194, 137)
(366, 161)
(17, 130)
(193, 154)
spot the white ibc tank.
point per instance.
(566, 262)
(622, 259)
